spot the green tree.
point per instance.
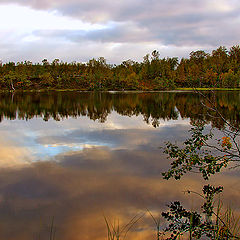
(46, 79)
(234, 55)
(10, 79)
(229, 79)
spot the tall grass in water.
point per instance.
(157, 222)
(227, 224)
(224, 224)
(116, 232)
(52, 230)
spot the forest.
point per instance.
(220, 69)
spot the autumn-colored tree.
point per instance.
(221, 68)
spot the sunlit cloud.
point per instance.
(25, 19)
(12, 155)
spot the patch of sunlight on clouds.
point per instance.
(24, 19)
(180, 121)
(13, 156)
(31, 38)
(113, 46)
(221, 5)
(75, 146)
(47, 151)
(116, 121)
(113, 121)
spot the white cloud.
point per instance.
(23, 19)
(79, 30)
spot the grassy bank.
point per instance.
(208, 89)
(149, 90)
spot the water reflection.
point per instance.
(98, 106)
(78, 189)
(79, 170)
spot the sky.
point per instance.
(78, 30)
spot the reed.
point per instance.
(117, 232)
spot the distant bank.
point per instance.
(219, 70)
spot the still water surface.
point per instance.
(77, 157)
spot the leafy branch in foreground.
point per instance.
(213, 225)
(200, 152)
(198, 155)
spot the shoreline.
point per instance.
(122, 91)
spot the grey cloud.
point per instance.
(119, 33)
(77, 190)
(84, 50)
(168, 22)
(82, 186)
(204, 36)
(130, 138)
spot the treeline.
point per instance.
(153, 107)
(221, 68)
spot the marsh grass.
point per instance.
(227, 223)
(117, 232)
(224, 224)
(52, 230)
(207, 89)
(157, 223)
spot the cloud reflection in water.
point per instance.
(78, 170)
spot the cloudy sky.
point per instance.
(117, 30)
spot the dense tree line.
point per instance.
(221, 68)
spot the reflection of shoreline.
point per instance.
(152, 106)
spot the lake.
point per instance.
(69, 159)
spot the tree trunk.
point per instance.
(12, 86)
